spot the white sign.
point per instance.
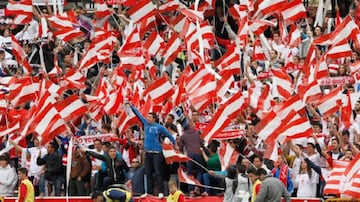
(42, 2)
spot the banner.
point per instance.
(89, 139)
(339, 80)
(42, 2)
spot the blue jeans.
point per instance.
(154, 164)
(42, 183)
(195, 170)
(210, 180)
(57, 182)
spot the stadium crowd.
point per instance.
(122, 143)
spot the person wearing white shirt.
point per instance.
(35, 171)
(306, 181)
(8, 177)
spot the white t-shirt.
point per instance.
(95, 162)
(306, 185)
(34, 154)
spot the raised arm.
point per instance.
(139, 115)
(167, 134)
(96, 155)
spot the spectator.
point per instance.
(54, 170)
(96, 178)
(8, 177)
(272, 189)
(80, 169)
(213, 164)
(153, 156)
(306, 181)
(26, 189)
(36, 175)
(175, 194)
(282, 172)
(116, 167)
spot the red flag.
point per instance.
(329, 104)
(184, 178)
(144, 9)
(172, 49)
(228, 155)
(332, 185)
(346, 112)
(293, 11)
(160, 90)
(102, 10)
(172, 155)
(71, 108)
(21, 10)
(224, 115)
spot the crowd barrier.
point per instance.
(149, 199)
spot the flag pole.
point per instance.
(197, 163)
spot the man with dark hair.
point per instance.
(116, 167)
(152, 145)
(26, 188)
(54, 170)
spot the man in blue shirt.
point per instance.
(153, 149)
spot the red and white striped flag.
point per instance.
(297, 128)
(260, 98)
(113, 102)
(330, 103)
(259, 26)
(267, 7)
(348, 29)
(184, 178)
(102, 10)
(172, 155)
(160, 90)
(74, 79)
(332, 186)
(144, 9)
(171, 49)
(68, 34)
(230, 61)
(352, 168)
(204, 95)
(293, 11)
(312, 92)
(170, 5)
(353, 189)
(153, 43)
(228, 155)
(294, 36)
(71, 108)
(258, 51)
(11, 128)
(339, 50)
(224, 115)
(282, 83)
(22, 11)
(346, 111)
(20, 55)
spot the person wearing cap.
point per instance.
(8, 177)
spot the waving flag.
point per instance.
(333, 184)
(144, 9)
(172, 155)
(224, 115)
(20, 55)
(22, 11)
(228, 155)
(160, 90)
(184, 178)
(293, 11)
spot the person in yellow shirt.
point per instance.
(26, 188)
(256, 176)
(175, 195)
(113, 194)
